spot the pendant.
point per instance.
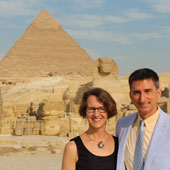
(100, 145)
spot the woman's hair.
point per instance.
(103, 97)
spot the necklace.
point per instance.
(100, 145)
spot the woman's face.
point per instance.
(96, 113)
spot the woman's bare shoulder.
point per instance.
(70, 156)
(71, 147)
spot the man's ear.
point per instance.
(159, 92)
(130, 95)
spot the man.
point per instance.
(144, 93)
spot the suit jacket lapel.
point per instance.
(122, 144)
(123, 139)
(155, 141)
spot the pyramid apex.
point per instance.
(44, 21)
(43, 10)
(45, 49)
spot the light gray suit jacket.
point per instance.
(158, 155)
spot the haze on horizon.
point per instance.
(134, 33)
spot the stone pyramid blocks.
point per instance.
(45, 49)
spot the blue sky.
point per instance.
(135, 33)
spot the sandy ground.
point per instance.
(31, 152)
(31, 162)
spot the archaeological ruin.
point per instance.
(43, 78)
(45, 49)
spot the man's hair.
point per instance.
(144, 73)
(103, 97)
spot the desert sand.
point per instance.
(47, 65)
(31, 162)
(31, 152)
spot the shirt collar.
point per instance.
(150, 121)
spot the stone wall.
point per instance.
(55, 121)
(57, 114)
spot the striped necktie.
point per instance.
(138, 157)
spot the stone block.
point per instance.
(19, 131)
(35, 131)
(31, 119)
(54, 105)
(132, 107)
(73, 134)
(42, 132)
(78, 124)
(56, 113)
(38, 125)
(6, 131)
(1, 116)
(74, 110)
(29, 125)
(166, 92)
(65, 126)
(57, 94)
(21, 122)
(51, 127)
(27, 131)
(22, 108)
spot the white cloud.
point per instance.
(115, 19)
(121, 57)
(100, 35)
(89, 3)
(122, 39)
(18, 7)
(115, 37)
(91, 21)
(162, 6)
(82, 23)
(166, 29)
(88, 21)
(136, 14)
(146, 36)
(93, 54)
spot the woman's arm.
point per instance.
(70, 156)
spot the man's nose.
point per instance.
(142, 97)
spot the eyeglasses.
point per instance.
(93, 109)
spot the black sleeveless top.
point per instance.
(89, 161)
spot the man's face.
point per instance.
(145, 95)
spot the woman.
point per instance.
(95, 149)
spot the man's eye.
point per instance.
(148, 91)
(136, 92)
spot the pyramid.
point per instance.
(45, 49)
